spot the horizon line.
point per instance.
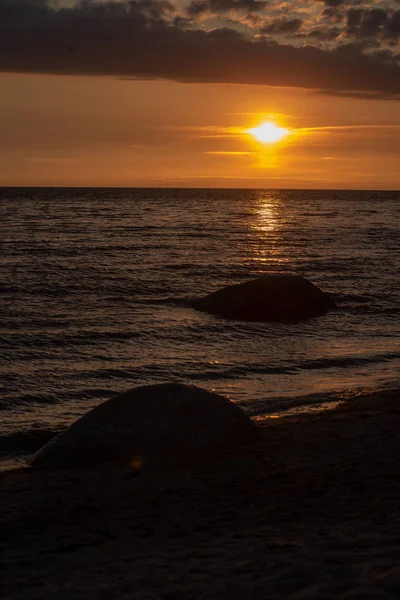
(152, 187)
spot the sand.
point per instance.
(312, 511)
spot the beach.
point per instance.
(310, 511)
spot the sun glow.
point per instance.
(268, 133)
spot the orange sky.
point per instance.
(103, 131)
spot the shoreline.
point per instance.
(312, 511)
(279, 408)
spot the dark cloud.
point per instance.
(220, 7)
(360, 95)
(323, 33)
(365, 22)
(31, 11)
(282, 26)
(140, 39)
(181, 22)
(23, 9)
(333, 3)
(333, 14)
(375, 23)
(393, 24)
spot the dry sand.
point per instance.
(310, 512)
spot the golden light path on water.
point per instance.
(265, 242)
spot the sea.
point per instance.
(97, 286)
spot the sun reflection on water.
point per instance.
(265, 241)
(266, 211)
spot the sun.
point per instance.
(268, 132)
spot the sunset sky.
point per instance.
(160, 93)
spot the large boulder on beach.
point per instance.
(154, 420)
(285, 298)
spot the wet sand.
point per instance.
(312, 512)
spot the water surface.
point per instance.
(96, 286)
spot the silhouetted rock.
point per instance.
(268, 298)
(154, 420)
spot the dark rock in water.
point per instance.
(154, 420)
(286, 298)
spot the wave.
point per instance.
(25, 442)
(282, 405)
(180, 372)
(30, 400)
(348, 361)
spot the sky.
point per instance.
(160, 93)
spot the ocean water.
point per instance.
(96, 288)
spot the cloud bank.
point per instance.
(336, 46)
